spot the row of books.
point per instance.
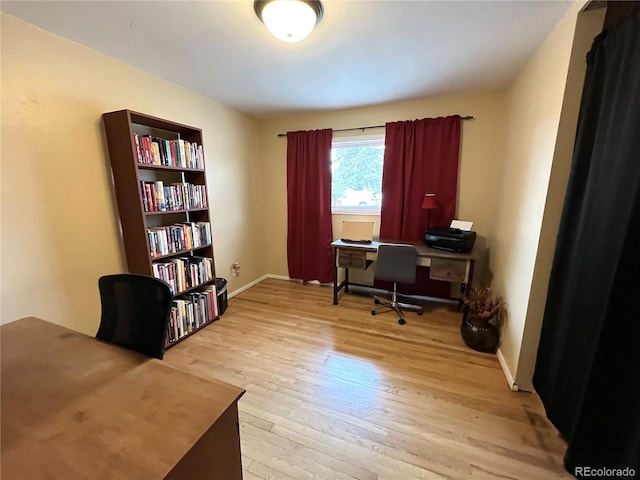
(183, 273)
(170, 153)
(192, 311)
(158, 197)
(178, 237)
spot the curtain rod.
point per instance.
(468, 117)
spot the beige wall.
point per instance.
(589, 25)
(536, 148)
(480, 157)
(59, 219)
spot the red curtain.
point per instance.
(421, 156)
(309, 235)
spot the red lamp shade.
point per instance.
(429, 201)
(428, 204)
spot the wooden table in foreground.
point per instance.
(74, 407)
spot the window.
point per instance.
(356, 166)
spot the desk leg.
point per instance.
(335, 276)
(346, 280)
(463, 286)
(338, 286)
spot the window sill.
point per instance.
(355, 211)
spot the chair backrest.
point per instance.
(135, 312)
(396, 263)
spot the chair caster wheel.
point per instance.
(420, 312)
(401, 321)
(376, 301)
(373, 312)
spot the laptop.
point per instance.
(357, 232)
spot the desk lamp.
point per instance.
(428, 204)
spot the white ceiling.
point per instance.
(361, 53)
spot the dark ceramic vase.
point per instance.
(479, 334)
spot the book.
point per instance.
(160, 201)
(182, 153)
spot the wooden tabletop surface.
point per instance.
(75, 407)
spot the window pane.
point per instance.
(357, 175)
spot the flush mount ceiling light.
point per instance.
(289, 20)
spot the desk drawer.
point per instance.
(448, 270)
(351, 258)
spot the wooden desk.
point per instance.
(74, 407)
(447, 266)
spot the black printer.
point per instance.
(452, 239)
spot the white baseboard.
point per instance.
(246, 287)
(255, 282)
(277, 277)
(507, 373)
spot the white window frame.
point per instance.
(368, 140)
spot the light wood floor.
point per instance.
(334, 393)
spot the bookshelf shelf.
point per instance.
(167, 212)
(195, 287)
(181, 252)
(158, 165)
(170, 212)
(150, 166)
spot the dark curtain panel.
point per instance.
(309, 234)
(588, 366)
(421, 156)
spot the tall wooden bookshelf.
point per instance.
(160, 185)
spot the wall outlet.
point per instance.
(235, 269)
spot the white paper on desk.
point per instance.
(462, 225)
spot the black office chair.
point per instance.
(135, 312)
(397, 264)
